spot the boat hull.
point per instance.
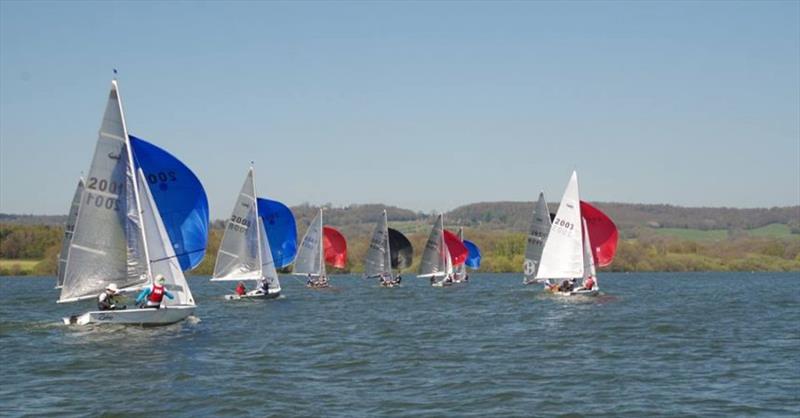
(144, 317)
(260, 296)
(593, 292)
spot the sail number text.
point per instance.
(238, 224)
(564, 224)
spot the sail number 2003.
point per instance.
(564, 224)
(103, 185)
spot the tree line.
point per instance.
(502, 250)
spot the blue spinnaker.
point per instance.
(474, 256)
(180, 198)
(281, 231)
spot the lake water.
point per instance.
(715, 344)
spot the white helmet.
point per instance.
(160, 279)
(112, 287)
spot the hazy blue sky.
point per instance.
(422, 105)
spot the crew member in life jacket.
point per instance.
(588, 284)
(240, 289)
(107, 301)
(154, 294)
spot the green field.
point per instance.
(768, 231)
(22, 266)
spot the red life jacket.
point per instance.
(589, 284)
(156, 294)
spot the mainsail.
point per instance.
(562, 256)
(434, 257)
(69, 228)
(309, 256)
(239, 256)
(379, 258)
(108, 241)
(537, 236)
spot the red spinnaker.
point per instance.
(603, 234)
(458, 252)
(334, 247)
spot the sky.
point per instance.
(422, 105)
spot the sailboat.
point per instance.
(320, 245)
(69, 229)
(472, 261)
(569, 252)
(537, 235)
(388, 249)
(143, 215)
(245, 252)
(443, 251)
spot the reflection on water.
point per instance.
(673, 344)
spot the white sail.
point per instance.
(588, 259)
(562, 256)
(107, 243)
(379, 259)
(163, 260)
(310, 255)
(460, 270)
(238, 257)
(434, 256)
(268, 271)
(69, 228)
(537, 235)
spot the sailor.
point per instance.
(398, 280)
(107, 300)
(588, 284)
(240, 289)
(153, 295)
(262, 289)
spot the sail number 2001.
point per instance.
(564, 224)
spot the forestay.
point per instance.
(107, 244)
(537, 236)
(238, 257)
(69, 229)
(562, 256)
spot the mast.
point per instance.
(388, 256)
(131, 169)
(257, 223)
(321, 244)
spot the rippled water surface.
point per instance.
(655, 344)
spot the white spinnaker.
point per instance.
(537, 236)
(162, 255)
(562, 256)
(433, 262)
(238, 256)
(268, 271)
(309, 256)
(69, 229)
(379, 260)
(588, 258)
(107, 243)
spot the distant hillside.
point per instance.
(515, 216)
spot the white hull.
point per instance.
(593, 292)
(270, 295)
(163, 316)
